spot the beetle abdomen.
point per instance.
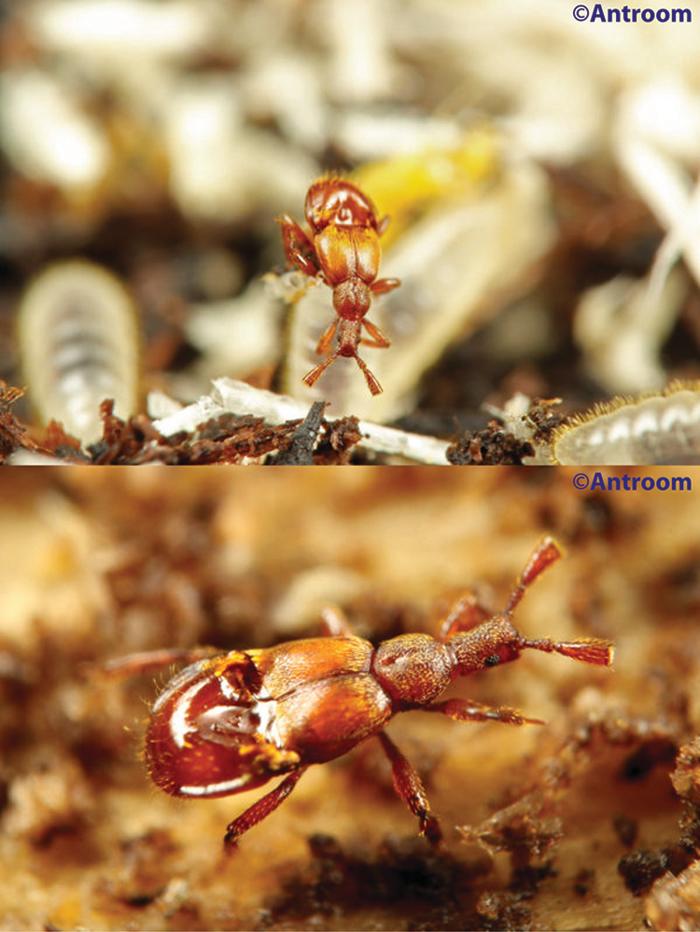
(201, 767)
(325, 719)
(288, 666)
(348, 253)
(209, 737)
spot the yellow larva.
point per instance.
(659, 429)
(79, 344)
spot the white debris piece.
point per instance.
(312, 591)
(221, 168)
(657, 142)
(621, 327)
(46, 134)
(238, 398)
(102, 28)
(240, 335)
(160, 405)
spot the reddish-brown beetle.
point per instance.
(232, 722)
(344, 252)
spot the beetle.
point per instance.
(344, 252)
(231, 722)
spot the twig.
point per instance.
(300, 452)
(232, 397)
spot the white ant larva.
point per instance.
(79, 344)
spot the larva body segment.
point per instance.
(79, 344)
(654, 430)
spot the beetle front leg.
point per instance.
(466, 710)
(298, 248)
(466, 613)
(261, 809)
(383, 224)
(409, 787)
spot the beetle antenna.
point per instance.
(546, 553)
(372, 382)
(587, 650)
(312, 377)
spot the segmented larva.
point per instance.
(79, 344)
(661, 429)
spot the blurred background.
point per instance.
(587, 822)
(540, 174)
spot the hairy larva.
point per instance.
(659, 429)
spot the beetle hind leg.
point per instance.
(151, 661)
(261, 809)
(409, 787)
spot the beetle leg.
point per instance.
(153, 660)
(466, 613)
(298, 248)
(384, 285)
(383, 224)
(335, 623)
(261, 809)
(410, 788)
(326, 339)
(378, 341)
(466, 710)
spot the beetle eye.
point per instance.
(492, 661)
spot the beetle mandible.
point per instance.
(231, 722)
(344, 252)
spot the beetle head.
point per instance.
(337, 201)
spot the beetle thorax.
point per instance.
(351, 299)
(413, 668)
